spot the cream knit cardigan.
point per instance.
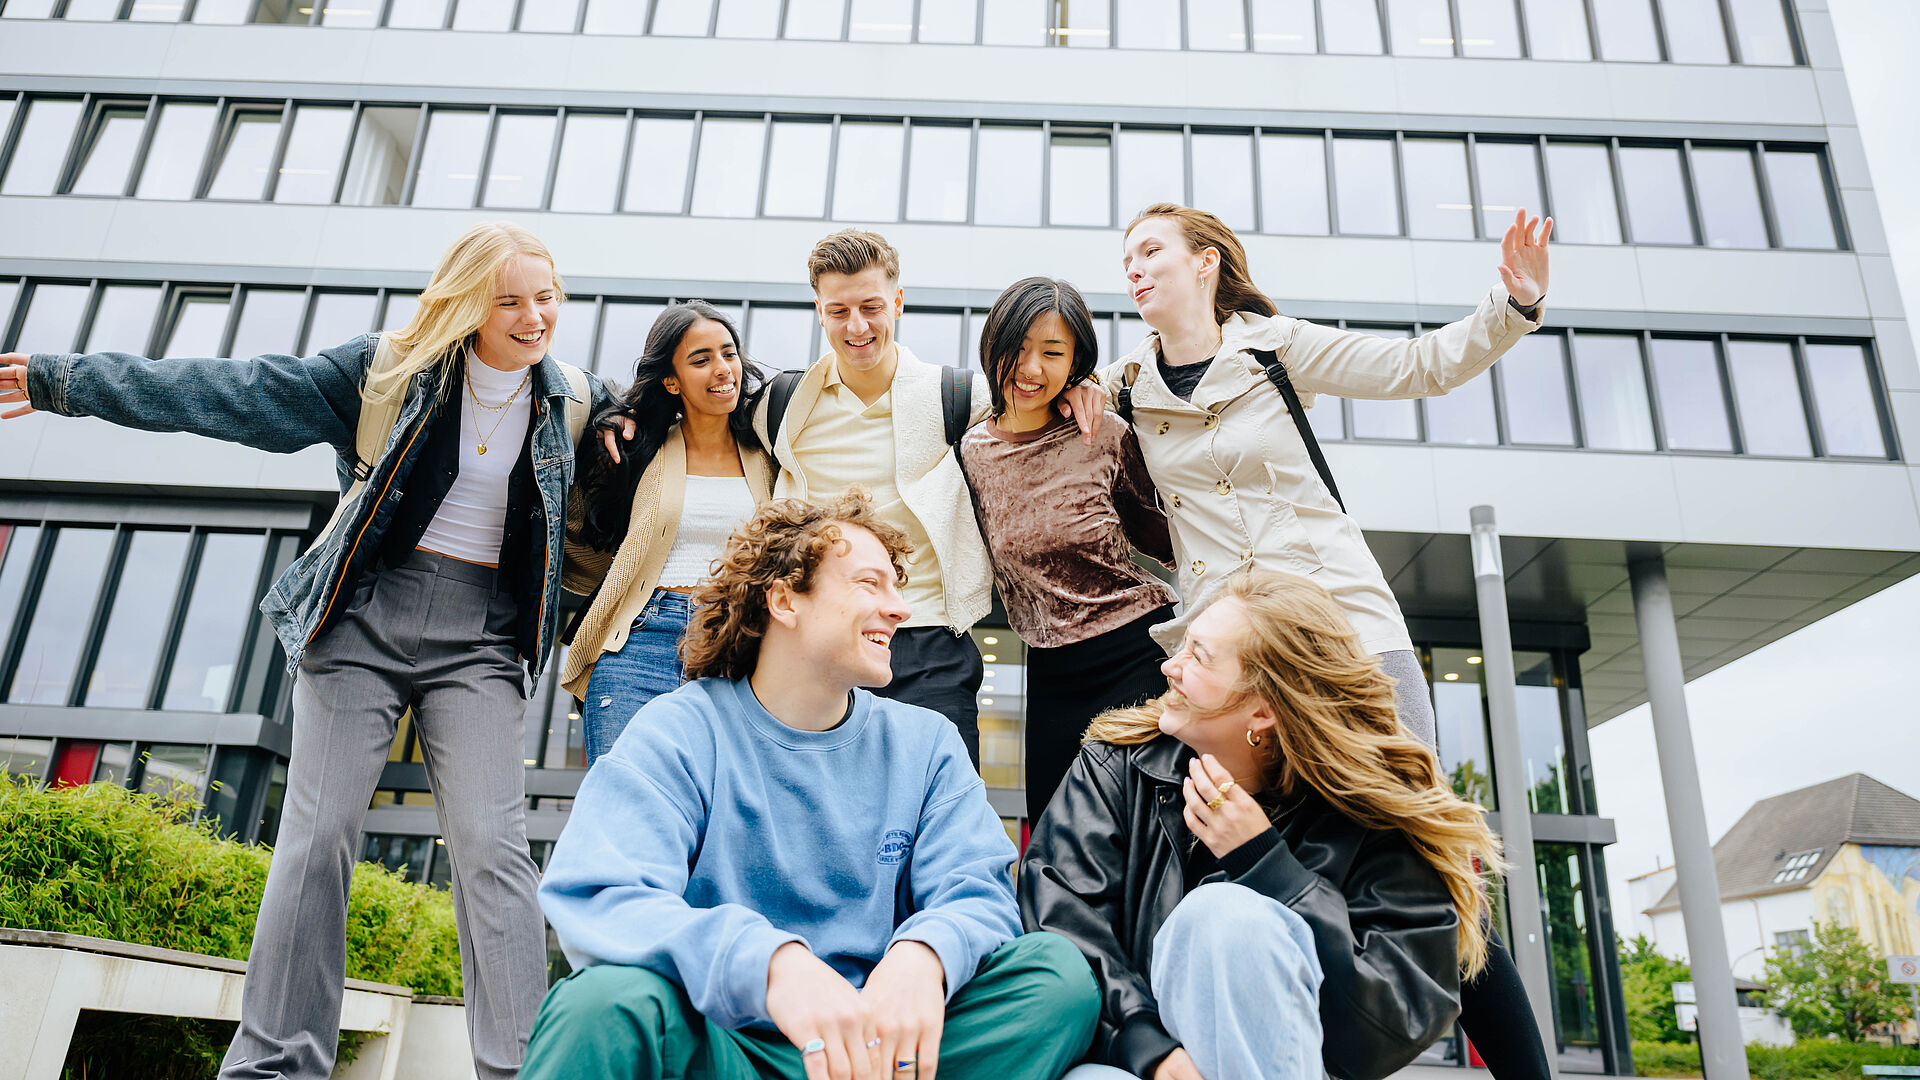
(626, 578)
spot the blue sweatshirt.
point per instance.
(712, 834)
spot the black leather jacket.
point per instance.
(1105, 868)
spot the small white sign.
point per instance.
(1683, 992)
(1903, 969)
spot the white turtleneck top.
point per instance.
(473, 516)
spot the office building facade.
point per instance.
(1723, 389)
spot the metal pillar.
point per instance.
(1723, 1053)
(1524, 910)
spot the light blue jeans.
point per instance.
(1238, 984)
(647, 666)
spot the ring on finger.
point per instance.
(814, 1046)
(1216, 802)
(909, 1063)
(873, 1042)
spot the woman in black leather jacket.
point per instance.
(1265, 872)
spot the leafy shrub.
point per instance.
(1808, 1059)
(106, 862)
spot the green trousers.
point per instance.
(1027, 1015)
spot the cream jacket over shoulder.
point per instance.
(925, 470)
(1233, 472)
(626, 578)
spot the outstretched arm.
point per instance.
(272, 402)
(1360, 365)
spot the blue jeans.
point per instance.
(647, 666)
(1238, 984)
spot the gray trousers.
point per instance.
(434, 634)
(1411, 698)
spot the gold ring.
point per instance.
(1226, 787)
(1214, 803)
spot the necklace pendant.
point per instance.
(483, 448)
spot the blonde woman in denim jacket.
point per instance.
(435, 584)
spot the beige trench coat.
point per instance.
(1233, 472)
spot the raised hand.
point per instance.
(1523, 259)
(1086, 403)
(13, 384)
(1219, 810)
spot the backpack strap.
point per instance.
(1277, 375)
(780, 390)
(956, 402)
(1123, 402)
(378, 415)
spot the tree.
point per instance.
(1835, 986)
(1646, 982)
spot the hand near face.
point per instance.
(1235, 821)
(1523, 259)
(13, 384)
(808, 1000)
(907, 994)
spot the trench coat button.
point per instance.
(1162, 429)
(1224, 487)
(1212, 421)
(1246, 554)
(1176, 500)
(1199, 567)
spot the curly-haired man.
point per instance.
(776, 874)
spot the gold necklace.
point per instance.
(500, 408)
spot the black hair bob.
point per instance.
(1013, 314)
(608, 487)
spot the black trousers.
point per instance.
(1069, 685)
(937, 669)
(1496, 1016)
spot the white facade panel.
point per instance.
(1816, 504)
(1814, 283)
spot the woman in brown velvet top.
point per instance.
(1060, 515)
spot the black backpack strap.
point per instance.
(1277, 374)
(956, 402)
(780, 390)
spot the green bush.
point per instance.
(106, 862)
(1808, 1059)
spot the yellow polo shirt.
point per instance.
(845, 442)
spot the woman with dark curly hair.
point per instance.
(643, 529)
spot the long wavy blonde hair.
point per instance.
(1337, 732)
(457, 301)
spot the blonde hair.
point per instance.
(457, 301)
(1236, 290)
(1336, 731)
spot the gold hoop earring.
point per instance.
(1252, 739)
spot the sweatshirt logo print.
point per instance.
(894, 847)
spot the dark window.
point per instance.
(1693, 407)
(138, 622)
(216, 620)
(61, 617)
(517, 168)
(1766, 389)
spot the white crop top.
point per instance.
(469, 523)
(714, 507)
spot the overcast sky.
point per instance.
(1839, 696)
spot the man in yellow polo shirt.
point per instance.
(869, 413)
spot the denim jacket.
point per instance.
(284, 403)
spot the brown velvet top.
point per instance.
(1058, 517)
